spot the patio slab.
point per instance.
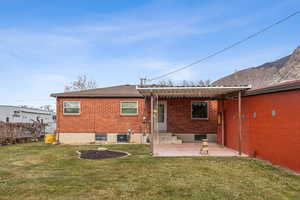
(192, 149)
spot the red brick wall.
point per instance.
(273, 138)
(179, 116)
(100, 115)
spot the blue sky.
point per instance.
(44, 45)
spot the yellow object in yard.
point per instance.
(50, 138)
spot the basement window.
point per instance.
(200, 110)
(200, 137)
(122, 138)
(100, 137)
(71, 107)
(129, 107)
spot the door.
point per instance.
(162, 116)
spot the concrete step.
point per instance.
(169, 139)
(165, 134)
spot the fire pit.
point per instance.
(100, 154)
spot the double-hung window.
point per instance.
(200, 110)
(71, 107)
(129, 107)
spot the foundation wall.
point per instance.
(89, 138)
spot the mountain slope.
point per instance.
(286, 68)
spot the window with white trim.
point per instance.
(129, 107)
(200, 110)
(71, 107)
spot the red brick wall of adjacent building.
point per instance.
(273, 138)
(100, 115)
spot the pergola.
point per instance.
(154, 92)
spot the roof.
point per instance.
(115, 91)
(191, 91)
(177, 91)
(26, 110)
(281, 87)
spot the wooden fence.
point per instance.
(11, 133)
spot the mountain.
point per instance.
(283, 69)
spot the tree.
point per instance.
(186, 83)
(47, 108)
(82, 83)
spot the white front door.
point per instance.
(162, 116)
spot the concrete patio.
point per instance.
(192, 149)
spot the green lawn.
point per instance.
(39, 171)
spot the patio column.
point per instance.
(152, 123)
(240, 122)
(222, 123)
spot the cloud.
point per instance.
(116, 48)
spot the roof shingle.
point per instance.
(115, 91)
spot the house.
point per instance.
(263, 123)
(17, 114)
(123, 114)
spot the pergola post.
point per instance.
(240, 122)
(152, 123)
(222, 123)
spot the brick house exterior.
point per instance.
(270, 120)
(100, 114)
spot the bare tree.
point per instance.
(82, 83)
(47, 108)
(186, 83)
(166, 83)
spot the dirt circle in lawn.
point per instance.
(100, 154)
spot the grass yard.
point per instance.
(39, 171)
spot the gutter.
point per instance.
(283, 87)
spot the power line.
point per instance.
(228, 47)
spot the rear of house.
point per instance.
(262, 123)
(121, 114)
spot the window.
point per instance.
(122, 138)
(200, 137)
(72, 107)
(16, 113)
(101, 137)
(199, 110)
(129, 108)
